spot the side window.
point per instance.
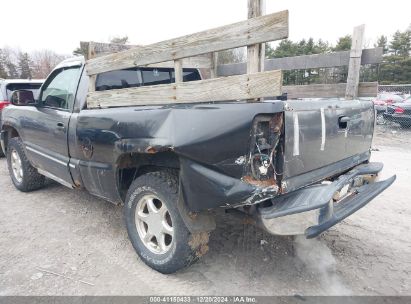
(137, 77)
(188, 75)
(155, 76)
(118, 79)
(59, 91)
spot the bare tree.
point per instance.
(44, 62)
(10, 62)
(232, 56)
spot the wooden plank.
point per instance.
(178, 70)
(214, 64)
(366, 89)
(369, 56)
(257, 30)
(253, 51)
(91, 54)
(354, 66)
(257, 85)
(103, 49)
(90, 51)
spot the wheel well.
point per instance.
(11, 133)
(131, 166)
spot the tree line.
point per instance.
(394, 69)
(15, 63)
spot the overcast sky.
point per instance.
(60, 24)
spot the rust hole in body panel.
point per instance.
(151, 150)
(259, 183)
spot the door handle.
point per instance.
(343, 122)
(60, 126)
(345, 119)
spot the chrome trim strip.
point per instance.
(46, 156)
(55, 178)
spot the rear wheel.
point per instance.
(154, 224)
(24, 176)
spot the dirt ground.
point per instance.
(57, 241)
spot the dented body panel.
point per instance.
(211, 140)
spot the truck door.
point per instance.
(46, 130)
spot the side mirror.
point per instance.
(22, 98)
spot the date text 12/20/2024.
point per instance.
(203, 299)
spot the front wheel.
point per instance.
(23, 175)
(155, 227)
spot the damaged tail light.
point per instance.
(264, 166)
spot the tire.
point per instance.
(29, 179)
(182, 247)
(1, 153)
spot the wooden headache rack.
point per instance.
(246, 81)
(249, 32)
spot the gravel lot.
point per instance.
(82, 240)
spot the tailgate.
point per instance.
(324, 138)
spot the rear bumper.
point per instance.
(312, 210)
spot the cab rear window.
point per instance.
(137, 77)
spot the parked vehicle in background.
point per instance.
(381, 103)
(7, 86)
(399, 113)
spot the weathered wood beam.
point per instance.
(354, 67)
(369, 56)
(178, 70)
(103, 49)
(214, 65)
(366, 89)
(91, 53)
(254, 59)
(257, 30)
(240, 87)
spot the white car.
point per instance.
(7, 86)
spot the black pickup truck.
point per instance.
(295, 167)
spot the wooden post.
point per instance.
(214, 65)
(92, 80)
(178, 70)
(254, 52)
(353, 78)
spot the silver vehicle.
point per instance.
(7, 86)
